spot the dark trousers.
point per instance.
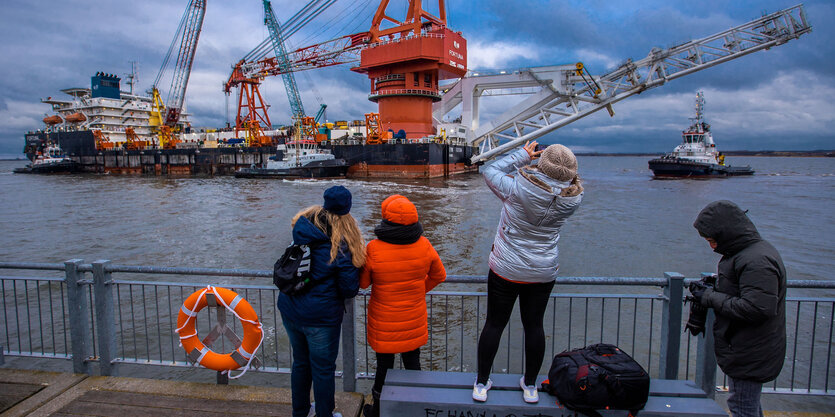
(314, 363)
(744, 398)
(501, 295)
(385, 361)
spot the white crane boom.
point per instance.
(570, 93)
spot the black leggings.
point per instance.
(501, 295)
(385, 361)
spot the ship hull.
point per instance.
(391, 160)
(333, 168)
(63, 167)
(683, 168)
(405, 160)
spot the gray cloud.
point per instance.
(49, 46)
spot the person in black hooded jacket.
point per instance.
(749, 301)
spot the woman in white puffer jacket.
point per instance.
(537, 200)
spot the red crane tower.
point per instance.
(405, 63)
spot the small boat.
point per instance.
(76, 118)
(302, 159)
(51, 160)
(53, 120)
(696, 156)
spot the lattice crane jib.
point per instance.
(296, 105)
(166, 117)
(571, 93)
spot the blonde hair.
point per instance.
(343, 227)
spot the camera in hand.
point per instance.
(698, 313)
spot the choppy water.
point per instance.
(628, 225)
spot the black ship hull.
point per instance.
(319, 169)
(405, 160)
(63, 167)
(684, 168)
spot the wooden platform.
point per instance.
(32, 393)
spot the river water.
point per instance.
(628, 224)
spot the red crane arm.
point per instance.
(337, 51)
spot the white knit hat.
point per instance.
(558, 162)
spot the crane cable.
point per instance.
(291, 26)
(171, 47)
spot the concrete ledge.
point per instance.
(436, 394)
(437, 379)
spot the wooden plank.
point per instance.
(13, 393)
(164, 404)
(86, 408)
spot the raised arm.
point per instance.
(497, 175)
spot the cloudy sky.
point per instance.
(778, 99)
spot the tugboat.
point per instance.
(696, 156)
(302, 159)
(51, 160)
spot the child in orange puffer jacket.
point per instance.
(401, 267)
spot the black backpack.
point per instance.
(598, 377)
(291, 272)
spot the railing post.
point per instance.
(105, 321)
(671, 325)
(349, 361)
(79, 313)
(2, 355)
(706, 358)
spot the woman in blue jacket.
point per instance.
(313, 319)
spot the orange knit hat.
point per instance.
(398, 209)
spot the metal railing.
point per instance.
(84, 315)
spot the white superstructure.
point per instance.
(299, 153)
(697, 141)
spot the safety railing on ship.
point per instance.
(104, 317)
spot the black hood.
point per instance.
(726, 223)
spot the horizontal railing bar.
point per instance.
(553, 295)
(810, 283)
(184, 364)
(32, 265)
(10, 278)
(798, 391)
(452, 279)
(812, 299)
(193, 284)
(38, 355)
(190, 271)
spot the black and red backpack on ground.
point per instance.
(598, 377)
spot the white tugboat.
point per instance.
(697, 155)
(51, 160)
(302, 159)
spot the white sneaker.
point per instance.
(312, 412)
(480, 390)
(529, 392)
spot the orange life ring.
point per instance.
(186, 320)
